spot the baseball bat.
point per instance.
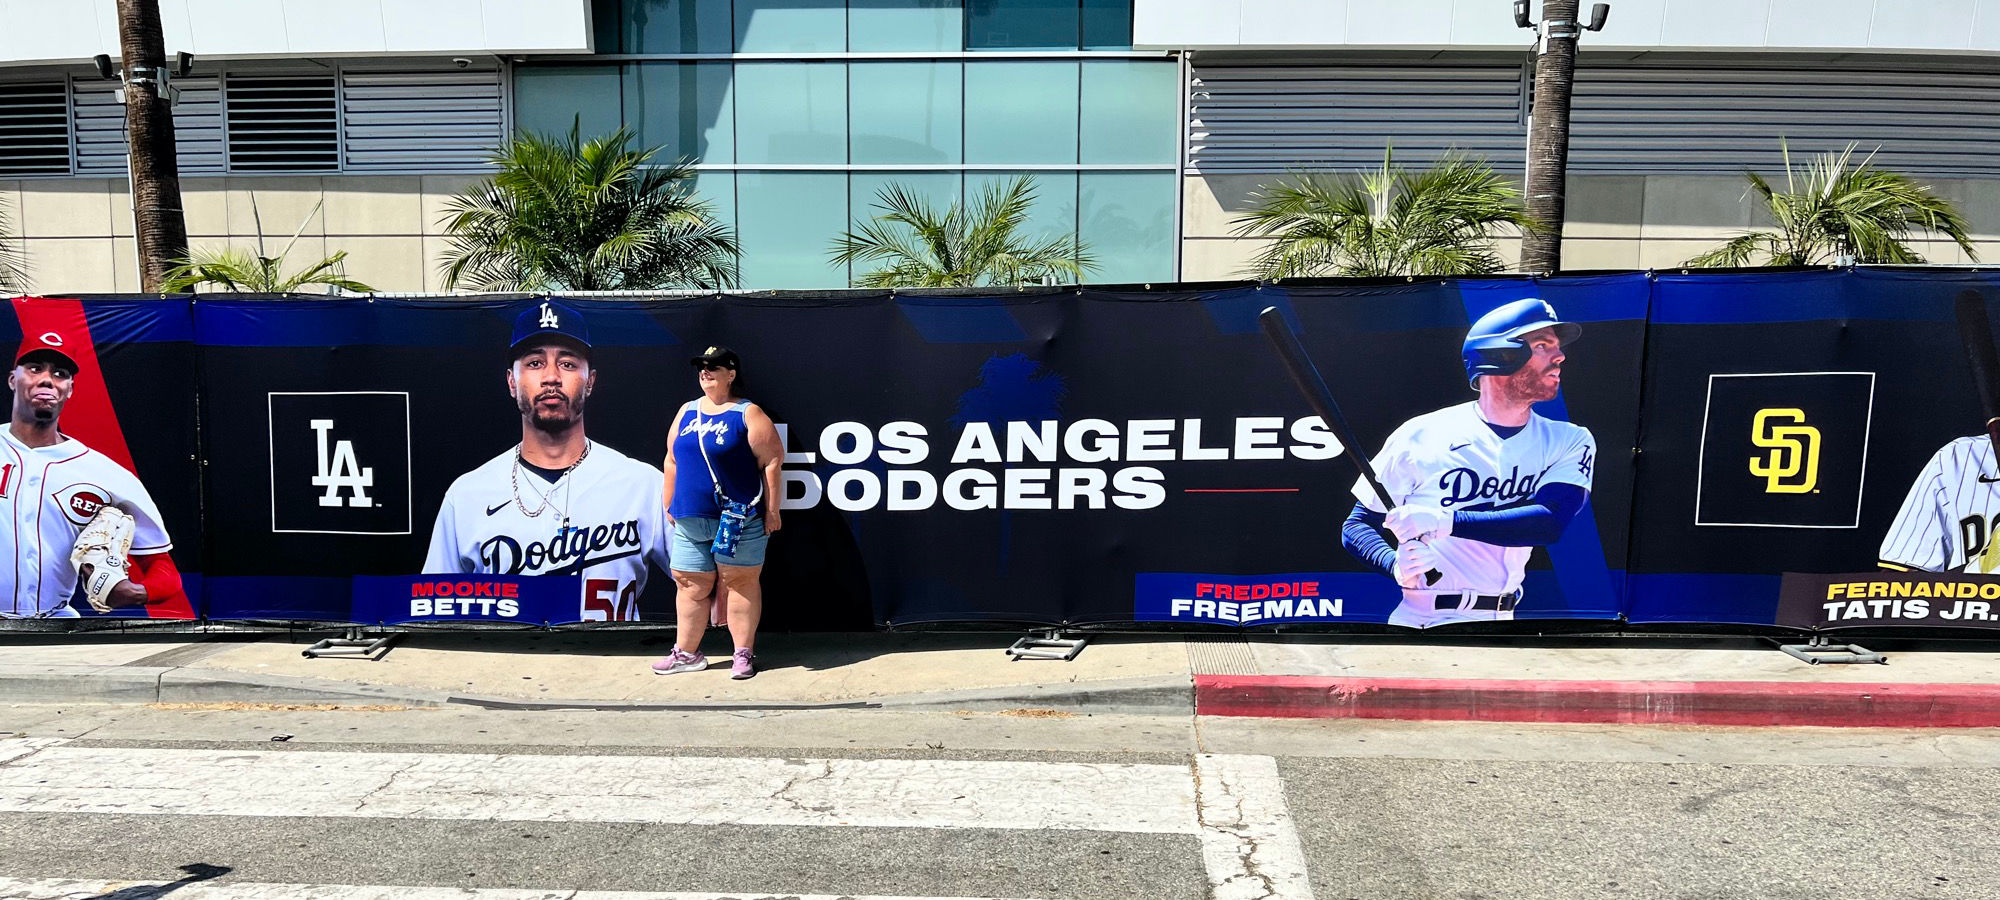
(1977, 334)
(1307, 377)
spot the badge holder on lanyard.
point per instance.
(734, 515)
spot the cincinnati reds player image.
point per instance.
(72, 514)
(1477, 486)
(557, 503)
(1946, 521)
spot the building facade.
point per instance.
(1146, 125)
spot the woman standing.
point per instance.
(722, 493)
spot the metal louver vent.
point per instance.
(420, 121)
(34, 128)
(100, 127)
(1724, 119)
(1652, 117)
(1275, 118)
(283, 123)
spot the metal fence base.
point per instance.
(1050, 645)
(1817, 650)
(355, 645)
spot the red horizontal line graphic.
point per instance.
(1239, 490)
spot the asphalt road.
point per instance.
(126, 802)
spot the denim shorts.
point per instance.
(689, 548)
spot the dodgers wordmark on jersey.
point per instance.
(602, 520)
(49, 494)
(1946, 522)
(1452, 459)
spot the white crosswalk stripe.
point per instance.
(1233, 805)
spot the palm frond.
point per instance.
(566, 213)
(13, 262)
(1441, 220)
(1837, 208)
(913, 243)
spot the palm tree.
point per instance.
(1390, 221)
(232, 269)
(13, 264)
(568, 214)
(1835, 209)
(916, 245)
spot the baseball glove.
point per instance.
(102, 545)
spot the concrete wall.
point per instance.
(1615, 221)
(1923, 26)
(72, 31)
(77, 232)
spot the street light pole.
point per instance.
(158, 224)
(1548, 126)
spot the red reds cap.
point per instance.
(48, 343)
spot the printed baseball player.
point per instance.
(1477, 486)
(1946, 521)
(72, 515)
(558, 503)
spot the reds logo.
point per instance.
(80, 502)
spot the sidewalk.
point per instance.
(1577, 679)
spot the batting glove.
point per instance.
(1415, 560)
(1410, 523)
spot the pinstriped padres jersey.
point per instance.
(1946, 522)
(47, 495)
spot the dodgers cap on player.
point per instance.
(1493, 344)
(549, 318)
(46, 344)
(717, 356)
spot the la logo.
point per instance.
(549, 318)
(339, 470)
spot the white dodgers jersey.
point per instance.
(49, 494)
(1946, 523)
(1453, 460)
(615, 524)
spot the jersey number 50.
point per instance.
(597, 598)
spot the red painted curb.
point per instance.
(1619, 702)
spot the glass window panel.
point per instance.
(684, 107)
(881, 25)
(548, 99)
(1127, 224)
(905, 112)
(939, 189)
(791, 113)
(1022, 25)
(718, 190)
(1020, 112)
(1107, 24)
(676, 26)
(787, 222)
(1053, 212)
(791, 26)
(1131, 111)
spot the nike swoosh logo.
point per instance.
(503, 505)
(1457, 447)
(1985, 480)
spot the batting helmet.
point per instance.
(1493, 344)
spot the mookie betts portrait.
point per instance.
(72, 514)
(1478, 485)
(557, 503)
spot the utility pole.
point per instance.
(157, 220)
(1548, 125)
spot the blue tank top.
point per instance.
(726, 440)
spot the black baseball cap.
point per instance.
(47, 345)
(716, 356)
(545, 319)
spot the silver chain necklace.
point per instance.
(514, 478)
